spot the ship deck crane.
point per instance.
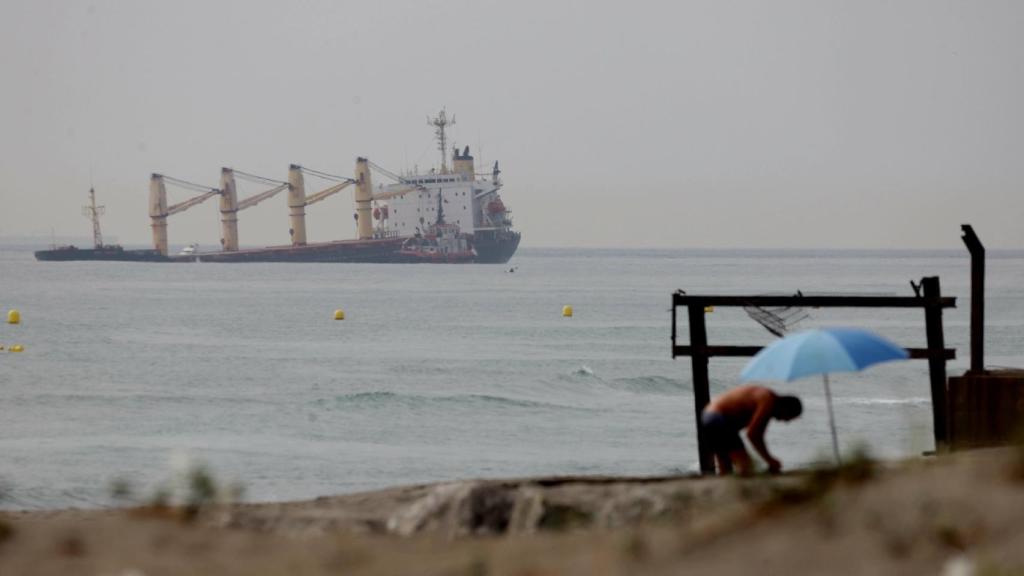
(297, 199)
(343, 182)
(409, 186)
(230, 205)
(182, 206)
(327, 192)
(159, 211)
(256, 199)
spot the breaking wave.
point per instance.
(653, 385)
(583, 370)
(885, 401)
(384, 399)
(376, 397)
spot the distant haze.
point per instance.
(860, 124)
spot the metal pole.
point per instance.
(977, 251)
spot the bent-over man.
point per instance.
(749, 407)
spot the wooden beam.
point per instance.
(810, 301)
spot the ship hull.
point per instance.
(71, 254)
(490, 246)
(383, 251)
(495, 246)
(413, 257)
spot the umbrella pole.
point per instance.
(831, 420)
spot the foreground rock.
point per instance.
(956, 515)
(497, 507)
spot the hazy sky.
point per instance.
(671, 124)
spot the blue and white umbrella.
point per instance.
(821, 351)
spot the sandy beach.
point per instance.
(958, 514)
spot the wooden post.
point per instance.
(701, 388)
(936, 359)
(673, 327)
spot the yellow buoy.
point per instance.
(339, 314)
(567, 311)
(13, 317)
(16, 348)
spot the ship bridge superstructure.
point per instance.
(470, 200)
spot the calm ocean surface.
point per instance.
(438, 372)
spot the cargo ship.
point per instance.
(447, 215)
(99, 251)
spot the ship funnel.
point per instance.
(463, 163)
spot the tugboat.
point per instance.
(443, 243)
(99, 251)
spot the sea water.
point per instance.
(438, 372)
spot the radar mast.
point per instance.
(440, 123)
(93, 212)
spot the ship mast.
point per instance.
(440, 123)
(93, 212)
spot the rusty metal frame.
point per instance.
(700, 352)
